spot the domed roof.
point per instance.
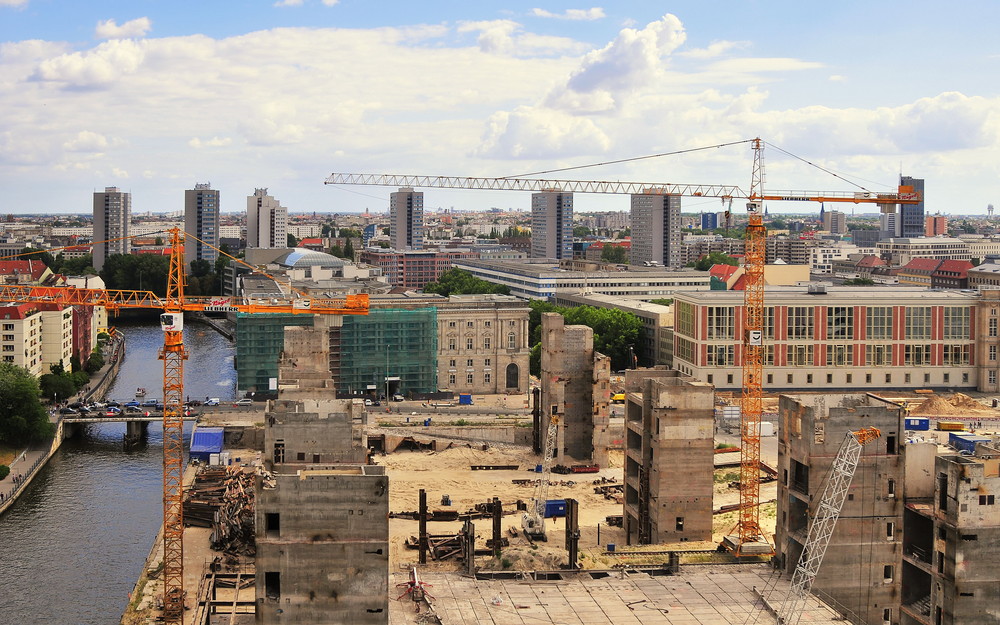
(301, 257)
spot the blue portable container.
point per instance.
(555, 507)
(965, 442)
(465, 400)
(918, 423)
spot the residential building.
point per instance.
(21, 336)
(576, 389)
(935, 225)
(838, 337)
(861, 568)
(539, 279)
(552, 225)
(201, 220)
(24, 272)
(112, 220)
(986, 275)
(835, 222)
(412, 269)
(656, 230)
(406, 219)
(655, 345)
(918, 271)
(669, 452)
(901, 251)
(865, 238)
(267, 221)
(709, 221)
(951, 274)
(57, 336)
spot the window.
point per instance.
(839, 322)
(993, 353)
(451, 324)
(487, 343)
(829, 378)
(915, 355)
(788, 379)
(888, 378)
(878, 323)
(679, 524)
(468, 324)
(685, 319)
(488, 378)
(451, 363)
(809, 378)
(850, 378)
(272, 523)
(722, 355)
(906, 378)
(512, 341)
(918, 323)
(487, 362)
(272, 584)
(451, 379)
(469, 343)
(956, 322)
(957, 355)
(992, 376)
(800, 355)
(891, 488)
(729, 378)
(451, 344)
(839, 355)
(890, 533)
(8, 337)
(711, 379)
(770, 378)
(488, 324)
(720, 322)
(987, 500)
(800, 322)
(947, 378)
(469, 378)
(868, 378)
(992, 330)
(887, 612)
(468, 363)
(8, 327)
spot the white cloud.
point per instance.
(13, 3)
(837, 78)
(588, 15)
(331, 3)
(508, 37)
(134, 28)
(87, 141)
(754, 65)
(714, 49)
(495, 36)
(106, 63)
(288, 3)
(119, 173)
(214, 142)
(540, 134)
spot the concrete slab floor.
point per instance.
(704, 595)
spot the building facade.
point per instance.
(412, 269)
(552, 225)
(267, 221)
(112, 219)
(656, 230)
(911, 216)
(830, 337)
(201, 219)
(406, 219)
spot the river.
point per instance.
(74, 543)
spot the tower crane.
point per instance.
(821, 529)
(173, 355)
(747, 538)
(533, 520)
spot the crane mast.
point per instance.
(824, 522)
(533, 522)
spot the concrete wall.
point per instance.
(322, 546)
(868, 535)
(293, 435)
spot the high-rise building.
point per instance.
(656, 229)
(267, 221)
(406, 219)
(835, 222)
(709, 221)
(911, 216)
(201, 220)
(552, 225)
(112, 216)
(935, 225)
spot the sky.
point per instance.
(154, 96)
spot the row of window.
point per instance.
(840, 322)
(470, 378)
(793, 379)
(836, 355)
(487, 342)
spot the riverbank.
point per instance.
(26, 465)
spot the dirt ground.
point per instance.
(447, 472)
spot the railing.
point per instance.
(919, 553)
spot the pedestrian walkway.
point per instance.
(22, 469)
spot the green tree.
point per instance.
(337, 251)
(513, 232)
(535, 360)
(146, 272)
(30, 253)
(614, 254)
(859, 282)
(976, 262)
(663, 302)
(581, 231)
(95, 362)
(158, 241)
(715, 258)
(326, 230)
(615, 331)
(56, 386)
(349, 249)
(83, 265)
(351, 233)
(457, 281)
(200, 267)
(23, 420)
(292, 241)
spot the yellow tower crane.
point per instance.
(173, 355)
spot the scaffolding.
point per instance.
(389, 351)
(260, 338)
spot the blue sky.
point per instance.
(155, 96)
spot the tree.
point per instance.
(56, 386)
(30, 253)
(457, 281)
(615, 331)
(535, 360)
(663, 302)
(326, 230)
(715, 258)
(292, 241)
(145, 272)
(614, 254)
(349, 249)
(95, 362)
(351, 233)
(22, 418)
(859, 282)
(200, 267)
(581, 231)
(79, 266)
(158, 241)
(337, 251)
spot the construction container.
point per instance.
(966, 442)
(555, 508)
(464, 399)
(918, 423)
(950, 426)
(766, 428)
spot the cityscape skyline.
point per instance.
(491, 92)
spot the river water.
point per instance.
(74, 543)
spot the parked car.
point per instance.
(133, 410)
(397, 397)
(114, 404)
(213, 401)
(67, 410)
(368, 402)
(75, 405)
(132, 404)
(112, 412)
(246, 401)
(194, 402)
(149, 403)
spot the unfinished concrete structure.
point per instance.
(951, 543)
(669, 455)
(860, 572)
(322, 513)
(576, 386)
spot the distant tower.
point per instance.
(406, 219)
(656, 229)
(112, 216)
(552, 225)
(267, 221)
(201, 219)
(989, 211)
(911, 216)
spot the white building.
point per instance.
(112, 217)
(267, 221)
